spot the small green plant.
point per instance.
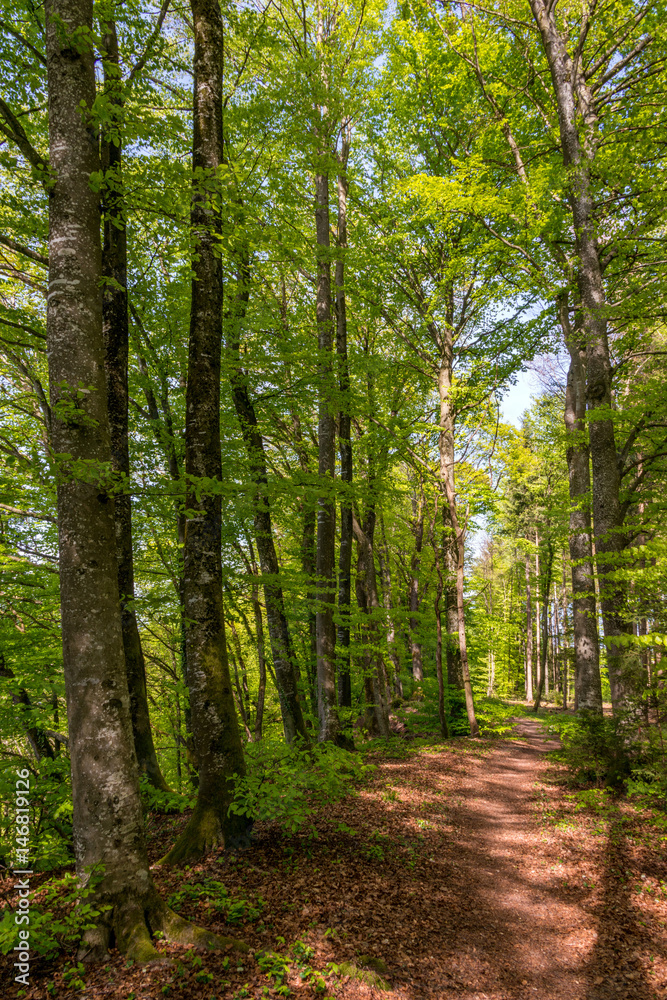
(276, 967)
(290, 782)
(156, 801)
(72, 976)
(368, 976)
(59, 920)
(214, 894)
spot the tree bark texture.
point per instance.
(344, 443)
(575, 105)
(326, 510)
(216, 735)
(107, 815)
(587, 682)
(115, 325)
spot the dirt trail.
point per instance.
(532, 938)
(529, 910)
(448, 874)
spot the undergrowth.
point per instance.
(623, 754)
(288, 783)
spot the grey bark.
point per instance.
(107, 816)
(587, 682)
(217, 739)
(115, 328)
(326, 510)
(575, 105)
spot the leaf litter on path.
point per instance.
(450, 874)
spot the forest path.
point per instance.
(459, 871)
(529, 906)
(517, 934)
(523, 896)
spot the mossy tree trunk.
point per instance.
(587, 681)
(108, 824)
(344, 436)
(115, 328)
(216, 735)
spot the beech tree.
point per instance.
(108, 822)
(217, 741)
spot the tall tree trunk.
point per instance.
(437, 607)
(217, 739)
(587, 682)
(529, 635)
(115, 328)
(545, 584)
(413, 595)
(344, 439)
(326, 509)
(107, 816)
(454, 533)
(576, 108)
(367, 598)
(282, 650)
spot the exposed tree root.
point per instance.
(130, 925)
(205, 833)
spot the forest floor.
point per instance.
(467, 870)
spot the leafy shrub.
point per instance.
(619, 752)
(289, 783)
(50, 799)
(594, 749)
(59, 920)
(496, 718)
(154, 800)
(457, 713)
